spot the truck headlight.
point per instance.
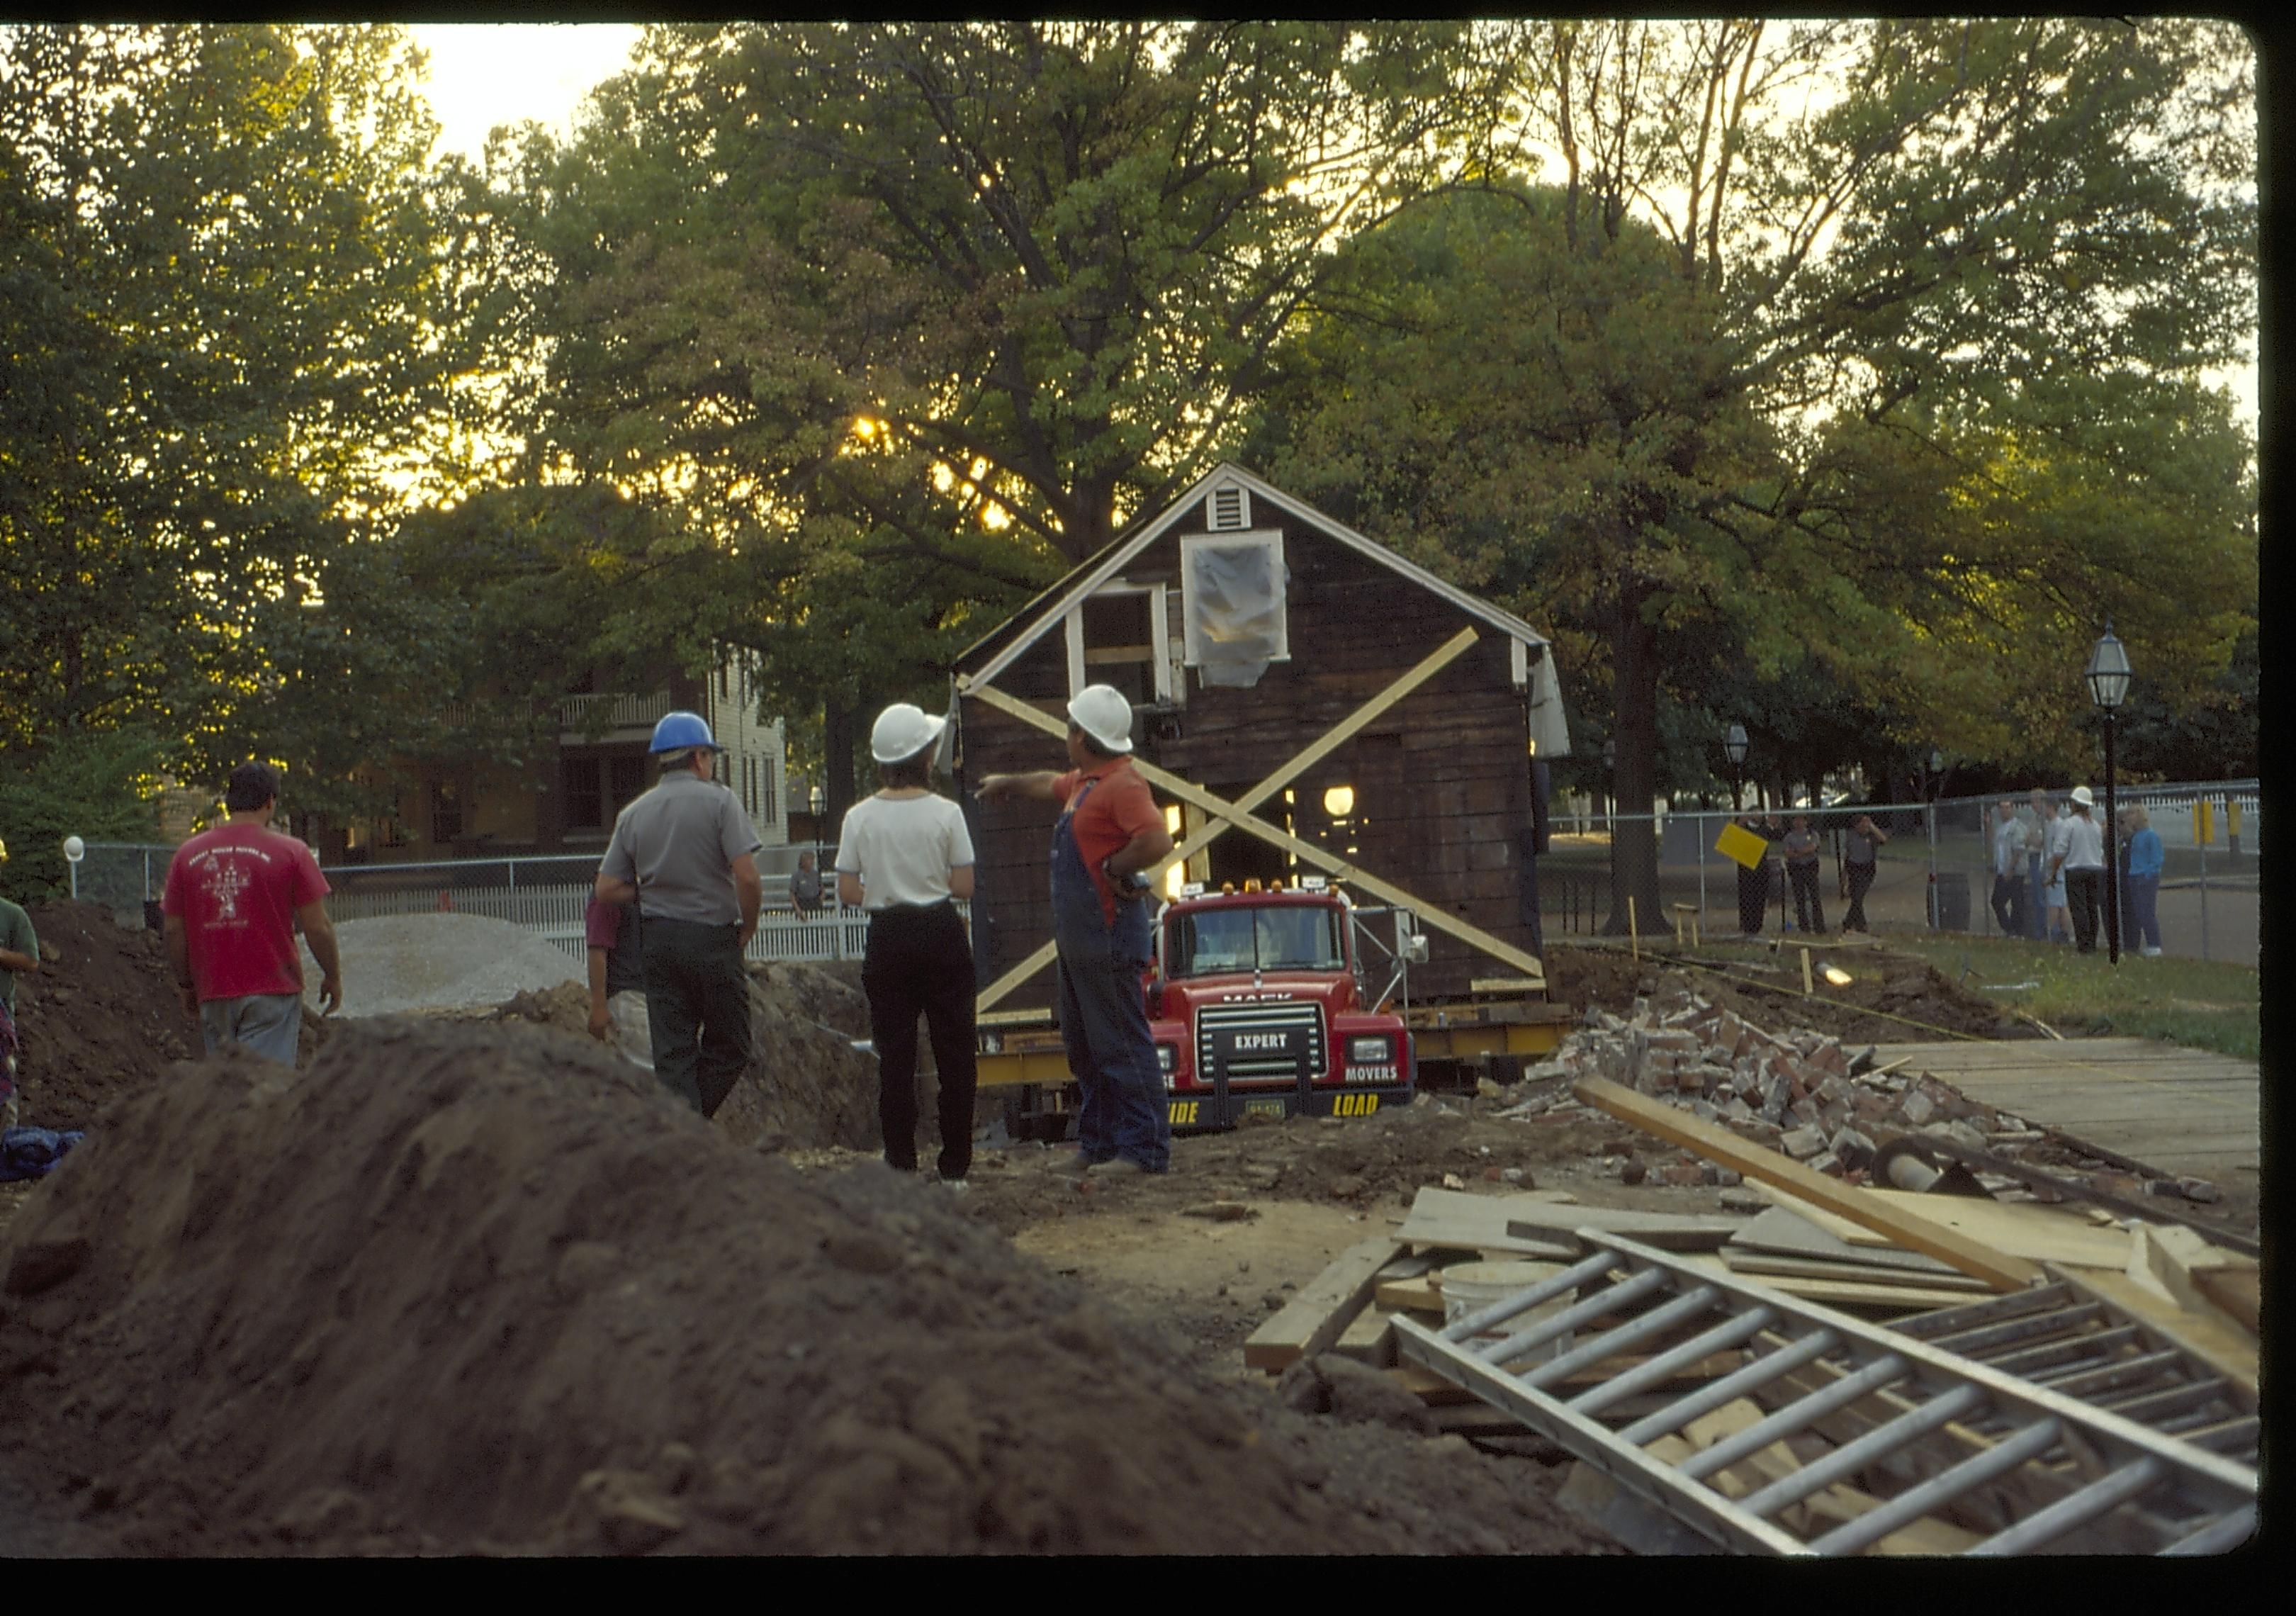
(1370, 1051)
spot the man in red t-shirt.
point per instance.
(234, 896)
(1109, 832)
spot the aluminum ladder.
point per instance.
(2054, 1472)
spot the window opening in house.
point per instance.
(390, 833)
(445, 812)
(578, 779)
(1120, 644)
(766, 793)
(1233, 589)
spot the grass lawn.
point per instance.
(2204, 1004)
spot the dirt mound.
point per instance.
(1890, 997)
(807, 1087)
(101, 1021)
(461, 1289)
(394, 964)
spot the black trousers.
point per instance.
(2009, 894)
(1810, 915)
(1861, 881)
(920, 963)
(1753, 897)
(2084, 893)
(698, 1008)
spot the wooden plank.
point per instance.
(1431, 1388)
(1784, 1232)
(1369, 1338)
(1715, 1144)
(2239, 1292)
(1846, 1293)
(1422, 1295)
(1455, 1218)
(1314, 1318)
(2025, 1229)
(1766, 1265)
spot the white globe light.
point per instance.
(75, 850)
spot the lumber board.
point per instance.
(2230, 1351)
(1460, 1221)
(2239, 1292)
(1767, 1265)
(1421, 1295)
(1715, 1144)
(1846, 1293)
(1431, 1388)
(1369, 1338)
(1315, 1318)
(2025, 1229)
(1784, 1232)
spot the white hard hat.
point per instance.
(903, 730)
(2081, 795)
(1101, 712)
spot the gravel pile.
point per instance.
(393, 963)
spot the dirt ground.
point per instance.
(220, 1315)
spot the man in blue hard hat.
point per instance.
(683, 853)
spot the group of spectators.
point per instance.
(2048, 872)
(2049, 867)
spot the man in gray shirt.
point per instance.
(684, 854)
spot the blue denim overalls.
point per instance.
(1103, 1024)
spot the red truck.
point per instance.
(1259, 1006)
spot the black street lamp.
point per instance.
(2108, 675)
(1734, 747)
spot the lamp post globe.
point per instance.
(2109, 675)
(1734, 747)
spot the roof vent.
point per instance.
(1230, 509)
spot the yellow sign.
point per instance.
(1355, 1105)
(1741, 846)
(2232, 819)
(1183, 1113)
(2204, 829)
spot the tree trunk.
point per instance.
(1633, 841)
(837, 765)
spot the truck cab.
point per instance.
(1256, 1003)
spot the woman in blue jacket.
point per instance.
(2140, 916)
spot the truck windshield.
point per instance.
(1288, 937)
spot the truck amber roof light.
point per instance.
(1251, 886)
(1228, 889)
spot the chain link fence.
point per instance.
(1935, 872)
(545, 894)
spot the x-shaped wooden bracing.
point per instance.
(1237, 815)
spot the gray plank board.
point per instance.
(1785, 1234)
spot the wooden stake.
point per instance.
(1805, 987)
(1633, 936)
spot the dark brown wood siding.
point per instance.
(1441, 780)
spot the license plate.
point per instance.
(1264, 1108)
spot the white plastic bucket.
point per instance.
(1470, 1287)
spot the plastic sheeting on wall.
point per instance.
(1235, 611)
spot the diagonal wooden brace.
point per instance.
(1474, 937)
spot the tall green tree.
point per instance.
(903, 319)
(240, 309)
(1871, 347)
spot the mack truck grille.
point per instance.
(1260, 1044)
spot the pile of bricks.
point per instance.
(1800, 1092)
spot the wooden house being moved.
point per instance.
(1259, 637)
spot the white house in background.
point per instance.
(473, 808)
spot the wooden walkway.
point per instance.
(2183, 1110)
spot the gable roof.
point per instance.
(999, 650)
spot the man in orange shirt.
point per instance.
(1109, 832)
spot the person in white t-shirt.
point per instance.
(902, 856)
(2081, 863)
